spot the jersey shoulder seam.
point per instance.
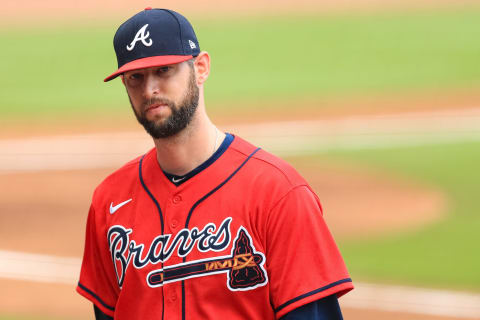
(276, 167)
(127, 166)
(286, 194)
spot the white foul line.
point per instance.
(65, 270)
(38, 267)
(283, 138)
(413, 300)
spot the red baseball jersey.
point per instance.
(244, 238)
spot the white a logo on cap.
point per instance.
(142, 35)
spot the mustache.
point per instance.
(157, 100)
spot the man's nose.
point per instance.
(152, 86)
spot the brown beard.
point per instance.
(180, 117)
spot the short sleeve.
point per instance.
(97, 279)
(304, 263)
(324, 309)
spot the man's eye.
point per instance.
(164, 69)
(135, 76)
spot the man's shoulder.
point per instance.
(123, 177)
(268, 165)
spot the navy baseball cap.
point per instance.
(153, 38)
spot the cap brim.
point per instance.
(148, 62)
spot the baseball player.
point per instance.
(205, 225)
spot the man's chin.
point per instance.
(157, 129)
(156, 122)
(157, 113)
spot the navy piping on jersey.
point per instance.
(140, 175)
(195, 206)
(150, 195)
(178, 180)
(99, 315)
(303, 296)
(90, 292)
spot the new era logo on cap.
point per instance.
(153, 37)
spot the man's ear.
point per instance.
(202, 67)
(121, 77)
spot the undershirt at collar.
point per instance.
(178, 180)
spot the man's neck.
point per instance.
(188, 149)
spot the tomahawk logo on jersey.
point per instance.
(245, 233)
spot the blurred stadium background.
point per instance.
(375, 102)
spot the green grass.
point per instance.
(344, 54)
(60, 70)
(443, 254)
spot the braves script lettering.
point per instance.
(125, 251)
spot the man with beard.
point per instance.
(205, 225)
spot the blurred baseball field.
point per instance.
(259, 60)
(303, 65)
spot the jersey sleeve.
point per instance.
(324, 309)
(97, 279)
(99, 315)
(304, 263)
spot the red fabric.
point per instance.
(267, 200)
(148, 62)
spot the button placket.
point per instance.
(177, 199)
(174, 223)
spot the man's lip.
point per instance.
(155, 105)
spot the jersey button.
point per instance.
(174, 224)
(173, 297)
(177, 199)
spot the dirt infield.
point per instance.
(356, 314)
(361, 203)
(35, 299)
